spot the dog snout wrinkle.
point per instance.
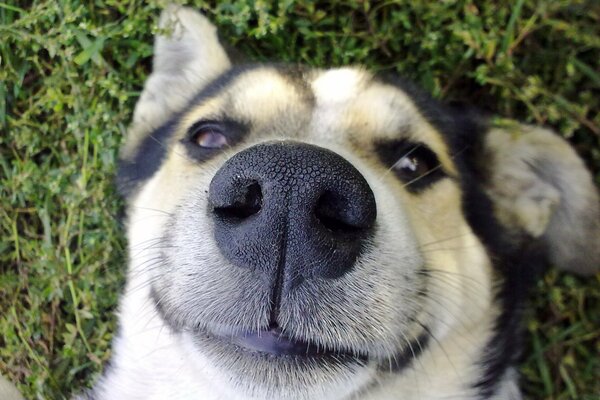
(291, 211)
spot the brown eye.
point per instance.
(412, 167)
(210, 140)
(208, 136)
(413, 163)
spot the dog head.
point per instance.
(304, 231)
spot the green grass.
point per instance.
(70, 74)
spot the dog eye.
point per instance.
(208, 136)
(413, 163)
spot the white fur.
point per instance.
(184, 61)
(367, 308)
(151, 362)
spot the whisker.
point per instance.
(444, 240)
(428, 331)
(408, 153)
(457, 248)
(418, 178)
(164, 146)
(450, 274)
(152, 209)
(437, 167)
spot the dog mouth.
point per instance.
(274, 342)
(221, 342)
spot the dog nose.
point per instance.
(291, 211)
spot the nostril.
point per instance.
(334, 212)
(247, 203)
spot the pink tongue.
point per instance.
(272, 342)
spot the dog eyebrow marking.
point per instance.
(149, 155)
(296, 76)
(146, 160)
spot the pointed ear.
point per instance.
(187, 56)
(541, 190)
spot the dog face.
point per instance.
(306, 233)
(293, 212)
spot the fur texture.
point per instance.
(466, 217)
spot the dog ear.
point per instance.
(187, 56)
(541, 190)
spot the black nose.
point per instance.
(291, 211)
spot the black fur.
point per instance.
(428, 169)
(149, 155)
(146, 161)
(151, 152)
(518, 266)
(413, 350)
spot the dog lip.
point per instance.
(274, 342)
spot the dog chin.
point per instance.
(267, 364)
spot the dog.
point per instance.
(299, 233)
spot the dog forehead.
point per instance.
(352, 100)
(261, 90)
(344, 105)
(338, 101)
(338, 85)
(357, 104)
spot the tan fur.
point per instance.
(383, 302)
(541, 188)
(184, 61)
